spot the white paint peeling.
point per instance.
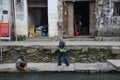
(21, 17)
(52, 18)
(5, 5)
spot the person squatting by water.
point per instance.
(21, 64)
(62, 52)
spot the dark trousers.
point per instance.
(23, 65)
(60, 55)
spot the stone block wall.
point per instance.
(107, 23)
(49, 54)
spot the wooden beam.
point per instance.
(37, 5)
(71, 19)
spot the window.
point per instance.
(116, 9)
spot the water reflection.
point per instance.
(60, 76)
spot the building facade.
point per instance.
(24, 13)
(62, 17)
(107, 14)
(90, 17)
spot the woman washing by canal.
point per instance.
(21, 64)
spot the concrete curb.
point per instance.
(52, 67)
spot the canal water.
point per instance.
(60, 76)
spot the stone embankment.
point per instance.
(88, 56)
(42, 54)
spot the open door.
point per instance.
(81, 18)
(38, 18)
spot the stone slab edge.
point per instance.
(84, 68)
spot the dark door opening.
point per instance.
(38, 17)
(81, 18)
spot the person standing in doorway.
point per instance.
(62, 52)
(80, 24)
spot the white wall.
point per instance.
(21, 17)
(52, 17)
(5, 5)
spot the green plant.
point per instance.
(21, 37)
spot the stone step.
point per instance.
(80, 39)
(74, 38)
(56, 39)
(115, 63)
(116, 50)
(38, 39)
(111, 38)
(99, 38)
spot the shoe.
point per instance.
(58, 65)
(67, 65)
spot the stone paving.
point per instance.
(51, 67)
(69, 43)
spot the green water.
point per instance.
(60, 76)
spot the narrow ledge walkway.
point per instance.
(69, 43)
(52, 67)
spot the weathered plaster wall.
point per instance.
(60, 18)
(52, 17)
(107, 24)
(21, 17)
(5, 5)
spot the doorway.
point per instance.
(37, 18)
(81, 18)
